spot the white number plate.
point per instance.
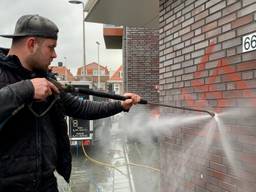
(249, 42)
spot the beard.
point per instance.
(37, 63)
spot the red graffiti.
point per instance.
(207, 87)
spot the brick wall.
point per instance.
(141, 62)
(202, 65)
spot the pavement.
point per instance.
(92, 177)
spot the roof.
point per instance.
(116, 75)
(90, 67)
(63, 71)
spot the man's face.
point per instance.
(44, 53)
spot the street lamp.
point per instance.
(65, 68)
(98, 45)
(84, 50)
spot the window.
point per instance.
(95, 72)
(116, 88)
(102, 72)
(121, 74)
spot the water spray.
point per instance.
(72, 89)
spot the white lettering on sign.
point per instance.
(249, 42)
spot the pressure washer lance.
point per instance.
(72, 89)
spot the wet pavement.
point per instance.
(115, 175)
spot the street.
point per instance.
(114, 165)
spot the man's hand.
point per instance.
(43, 88)
(128, 103)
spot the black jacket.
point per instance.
(28, 141)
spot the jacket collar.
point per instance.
(12, 62)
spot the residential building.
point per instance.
(62, 73)
(115, 83)
(97, 74)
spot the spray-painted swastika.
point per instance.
(207, 86)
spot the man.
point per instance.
(33, 132)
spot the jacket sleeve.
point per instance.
(13, 97)
(90, 110)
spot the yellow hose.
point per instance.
(101, 163)
(116, 167)
(144, 166)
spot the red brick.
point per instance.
(246, 66)
(247, 75)
(188, 22)
(213, 32)
(213, 17)
(218, 87)
(218, 167)
(211, 3)
(216, 174)
(197, 82)
(213, 95)
(202, 15)
(187, 77)
(184, 30)
(226, 28)
(198, 10)
(249, 93)
(249, 56)
(202, 44)
(217, 55)
(188, 8)
(217, 7)
(248, 158)
(227, 36)
(231, 77)
(228, 187)
(232, 8)
(248, 139)
(231, 43)
(247, 10)
(233, 59)
(202, 88)
(225, 103)
(188, 36)
(197, 24)
(232, 94)
(227, 19)
(231, 51)
(197, 38)
(210, 26)
(242, 21)
(246, 29)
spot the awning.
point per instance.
(131, 13)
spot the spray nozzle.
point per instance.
(211, 113)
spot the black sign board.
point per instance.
(79, 128)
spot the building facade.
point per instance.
(62, 73)
(115, 82)
(203, 65)
(141, 62)
(97, 74)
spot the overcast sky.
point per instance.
(68, 17)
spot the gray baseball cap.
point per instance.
(34, 25)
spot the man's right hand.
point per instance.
(43, 88)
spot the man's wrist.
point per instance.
(123, 106)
